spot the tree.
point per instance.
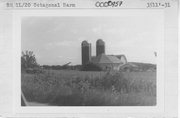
(28, 60)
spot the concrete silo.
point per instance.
(100, 47)
(86, 52)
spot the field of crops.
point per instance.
(79, 88)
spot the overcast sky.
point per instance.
(57, 40)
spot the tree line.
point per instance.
(28, 61)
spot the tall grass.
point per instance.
(109, 89)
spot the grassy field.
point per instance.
(79, 88)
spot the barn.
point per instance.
(109, 62)
(105, 62)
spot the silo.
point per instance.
(100, 47)
(86, 52)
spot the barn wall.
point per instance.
(123, 59)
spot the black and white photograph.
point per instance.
(89, 61)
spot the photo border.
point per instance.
(18, 109)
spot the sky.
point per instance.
(57, 40)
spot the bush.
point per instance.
(91, 67)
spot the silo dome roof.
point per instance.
(100, 42)
(85, 43)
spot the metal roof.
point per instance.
(106, 59)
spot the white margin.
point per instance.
(17, 109)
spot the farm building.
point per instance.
(86, 52)
(105, 62)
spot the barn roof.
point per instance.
(120, 56)
(106, 59)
